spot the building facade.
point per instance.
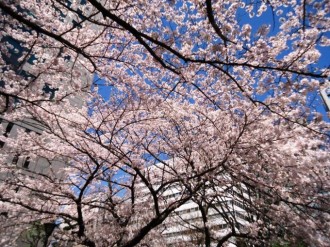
(19, 63)
(215, 209)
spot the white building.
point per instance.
(219, 209)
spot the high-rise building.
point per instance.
(185, 225)
(220, 208)
(20, 60)
(12, 52)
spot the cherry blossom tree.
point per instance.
(216, 98)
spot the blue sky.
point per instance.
(270, 19)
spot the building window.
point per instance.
(8, 129)
(26, 163)
(49, 91)
(15, 159)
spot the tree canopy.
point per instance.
(216, 98)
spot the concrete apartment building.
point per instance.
(36, 166)
(32, 167)
(24, 69)
(184, 226)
